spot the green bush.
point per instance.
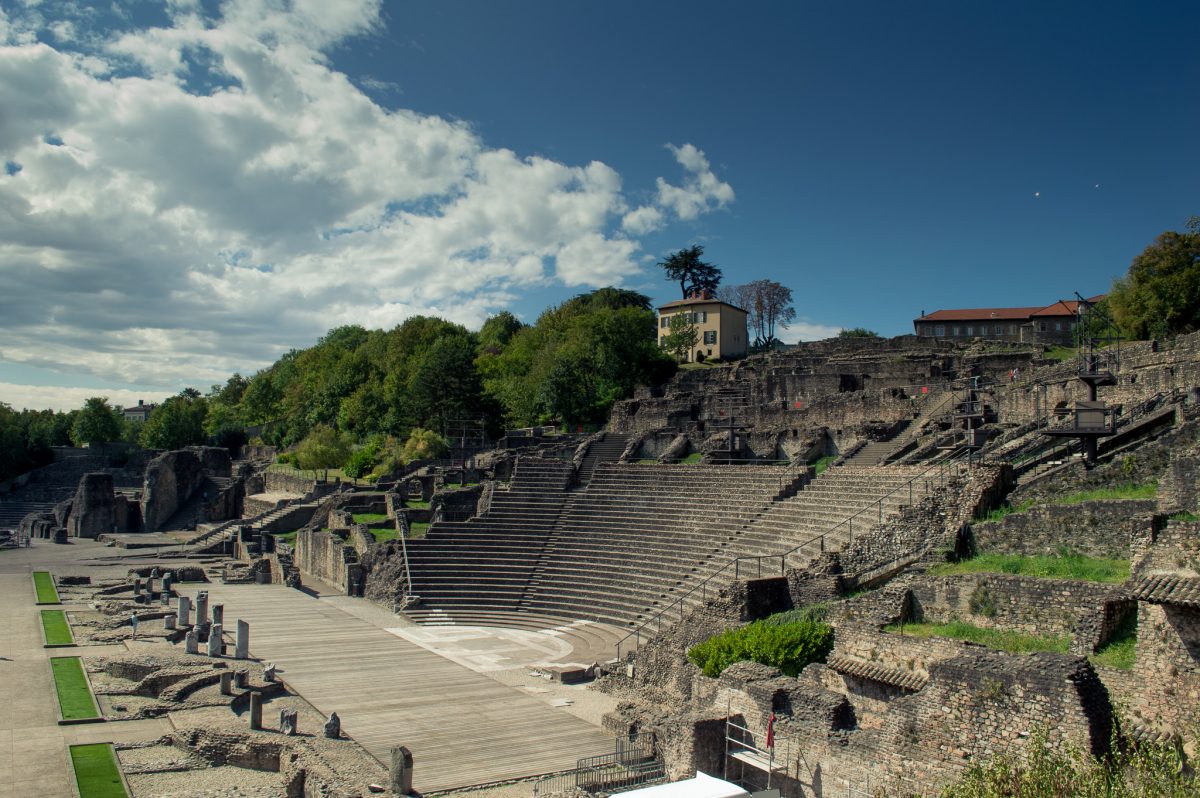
(788, 646)
(362, 461)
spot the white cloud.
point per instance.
(701, 191)
(808, 331)
(198, 198)
(640, 221)
(49, 397)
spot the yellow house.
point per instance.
(721, 326)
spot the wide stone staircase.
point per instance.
(639, 537)
(607, 450)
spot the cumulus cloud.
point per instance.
(197, 198)
(49, 397)
(701, 191)
(810, 331)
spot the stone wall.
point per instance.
(93, 511)
(173, 477)
(1167, 668)
(286, 482)
(328, 558)
(1105, 528)
(1048, 607)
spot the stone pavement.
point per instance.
(33, 747)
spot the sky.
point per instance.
(192, 188)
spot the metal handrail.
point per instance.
(735, 563)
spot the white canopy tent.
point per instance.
(699, 786)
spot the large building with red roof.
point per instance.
(1050, 324)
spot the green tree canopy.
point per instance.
(683, 336)
(857, 332)
(688, 268)
(1160, 295)
(97, 422)
(324, 448)
(424, 444)
(177, 422)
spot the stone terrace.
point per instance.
(638, 537)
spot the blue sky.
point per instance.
(194, 188)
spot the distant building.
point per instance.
(721, 326)
(140, 413)
(1049, 324)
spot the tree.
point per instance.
(423, 444)
(692, 273)
(768, 304)
(683, 336)
(97, 422)
(1160, 295)
(857, 332)
(323, 449)
(176, 423)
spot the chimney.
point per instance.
(139, 402)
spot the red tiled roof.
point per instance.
(980, 314)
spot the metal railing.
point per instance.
(634, 761)
(942, 466)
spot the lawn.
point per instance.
(999, 639)
(1060, 353)
(417, 529)
(383, 535)
(43, 583)
(369, 518)
(286, 537)
(1121, 650)
(692, 459)
(97, 772)
(823, 463)
(1067, 566)
(416, 504)
(74, 695)
(58, 631)
(1148, 490)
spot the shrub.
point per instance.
(788, 646)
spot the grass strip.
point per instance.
(692, 459)
(97, 772)
(1147, 490)
(1121, 649)
(383, 535)
(56, 628)
(43, 583)
(820, 465)
(75, 699)
(999, 639)
(417, 529)
(1067, 566)
(369, 518)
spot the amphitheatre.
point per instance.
(518, 622)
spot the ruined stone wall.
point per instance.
(326, 557)
(1105, 528)
(1049, 607)
(1167, 668)
(285, 482)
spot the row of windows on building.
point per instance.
(710, 336)
(970, 330)
(698, 317)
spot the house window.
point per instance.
(710, 337)
(957, 330)
(970, 330)
(940, 330)
(1058, 326)
(983, 329)
(1012, 329)
(700, 317)
(1041, 326)
(664, 322)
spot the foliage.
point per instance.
(97, 773)
(74, 695)
(1144, 770)
(999, 639)
(1160, 295)
(97, 422)
(1059, 353)
(577, 360)
(424, 444)
(1065, 566)
(323, 449)
(789, 646)
(176, 423)
(857, 332)
(768, 304)
(688, 268)
(56, 628)
(26, 437)
(362, 461)
(683, 336)
(1121, 649)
